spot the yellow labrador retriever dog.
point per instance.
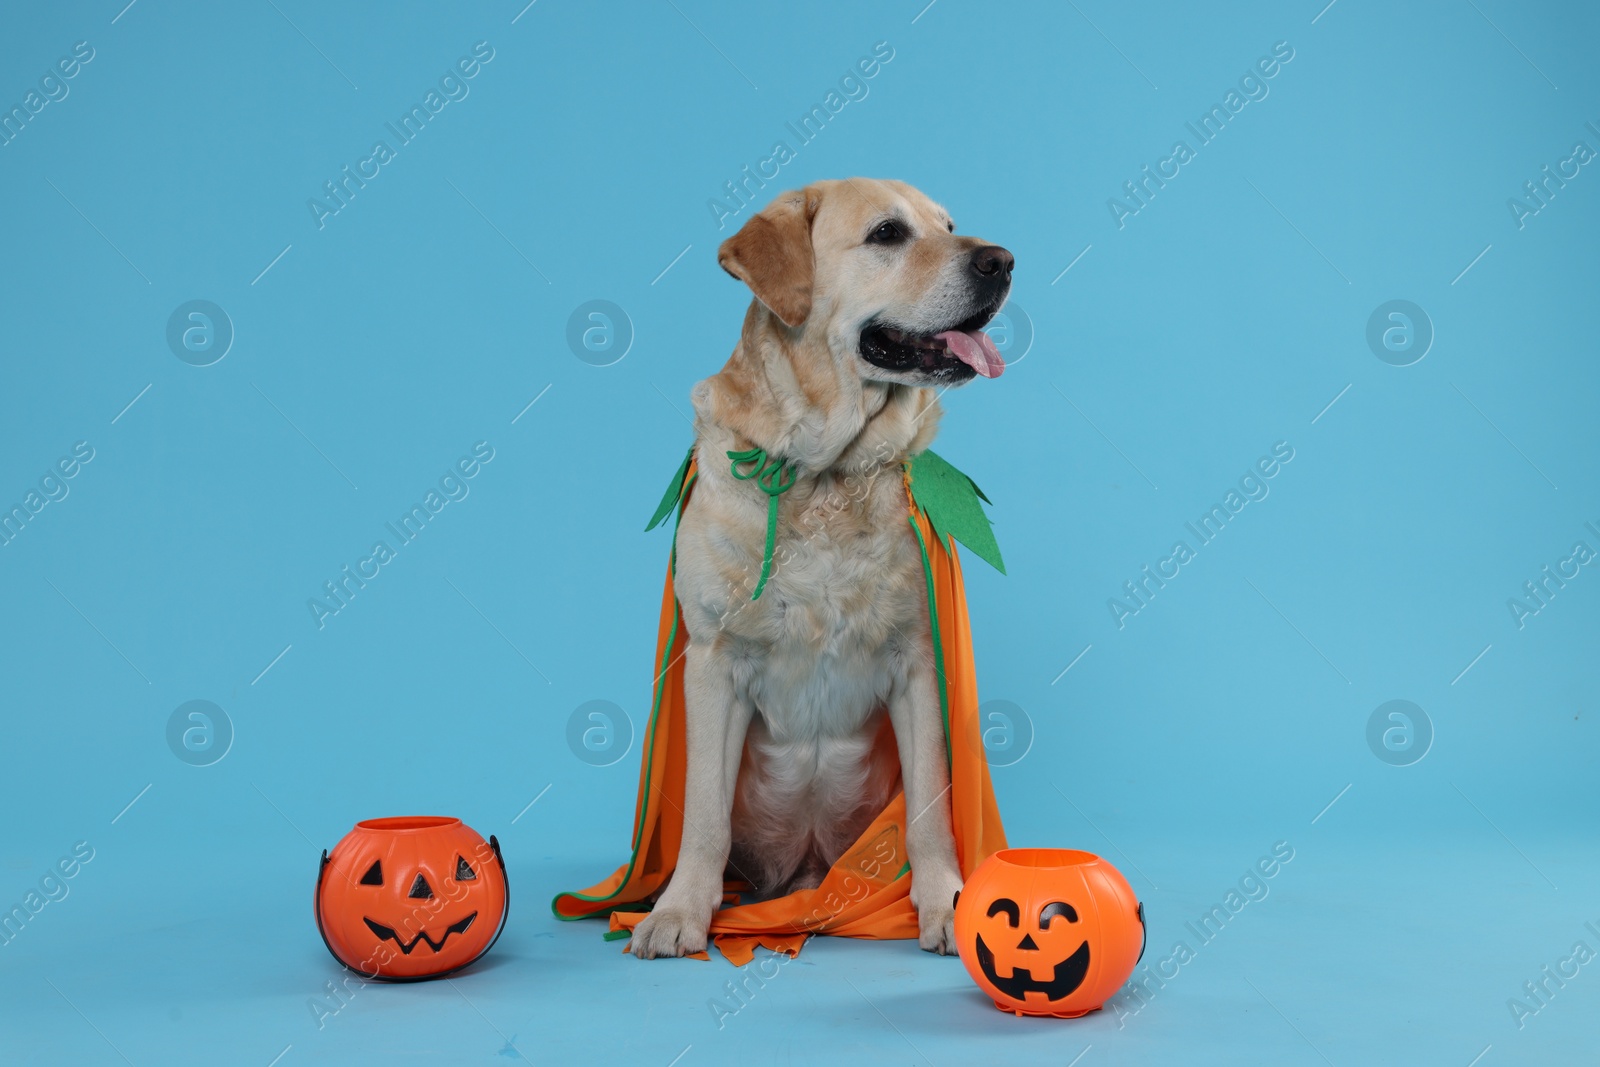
(867, 305)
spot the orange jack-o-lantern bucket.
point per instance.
(1048, 931)
(413, 897)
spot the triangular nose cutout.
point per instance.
(420, 889)
(1027, 942)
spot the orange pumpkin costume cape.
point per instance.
(867, 892)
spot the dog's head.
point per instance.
(876, 269)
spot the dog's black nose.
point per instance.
(992, 262)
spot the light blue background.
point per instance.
(428, 313)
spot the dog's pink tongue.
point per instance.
(976, 349)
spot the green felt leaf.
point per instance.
(951, 501)
(669, 500)
(616, 935)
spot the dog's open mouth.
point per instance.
(952, 355)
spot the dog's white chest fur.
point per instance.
(817, 657)
(843, 608)
(818, 652)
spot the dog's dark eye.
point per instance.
(887, 234)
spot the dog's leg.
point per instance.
(918, 724)
(716, 722)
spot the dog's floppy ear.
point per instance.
(771, 254)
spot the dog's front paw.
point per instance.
(936, 930)
(669, 931)
(936, 912)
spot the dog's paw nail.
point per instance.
(665, 933)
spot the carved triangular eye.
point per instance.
(420, 890)
(374, 875)
(464, 871)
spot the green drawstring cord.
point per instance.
(768, 474)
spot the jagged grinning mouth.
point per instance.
(1067, 976)
(386, 933)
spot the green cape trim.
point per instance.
(950, 500)
(938, 642)
(669, 499)
(946, 496)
